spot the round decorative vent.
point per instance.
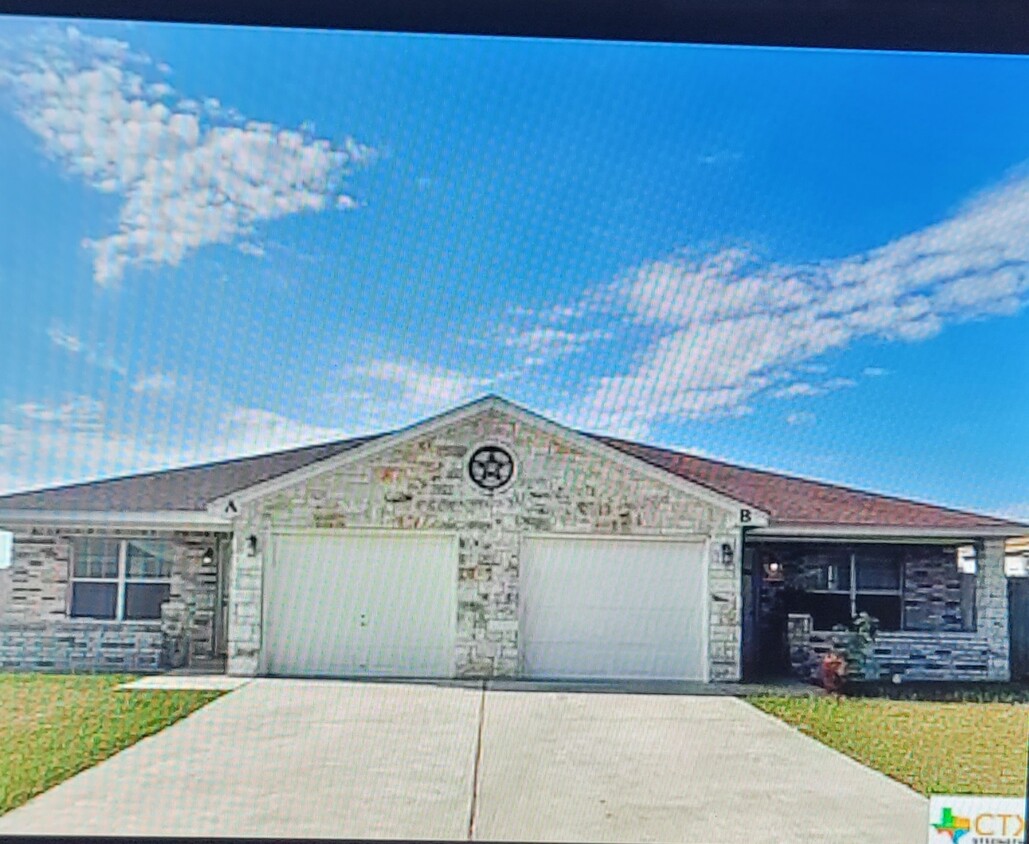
(491, 467)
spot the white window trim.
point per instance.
(121, 581)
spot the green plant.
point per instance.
(855, 645)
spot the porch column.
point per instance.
(725, 627)
(991, 607)
(244, 645)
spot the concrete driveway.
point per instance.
(292, 758)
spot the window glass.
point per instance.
(831, 575)
(94, 600)
(146, 558)
(826, 609)
(95, 558)
(143, 600)
(878, 573)
(885, 608)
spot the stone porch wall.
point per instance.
(37, 633)
(422, 485)
(942, 654)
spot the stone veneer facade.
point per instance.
(939, 649)
(37, 633)
(421, 484)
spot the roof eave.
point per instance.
(835, 531)
(155, 519)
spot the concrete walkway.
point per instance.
(293, 758)
(186, 682)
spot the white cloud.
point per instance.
(416, 387)
(838, 384)
(94, 355)
(77, 440)
(543, 344)
(727, 327)
(78, 413)
(813, 368)
(797, 389)
(248, 248)
(249, 430)
(64, 339)
(155, 382)
(187, 178)
(802, 417)
(874, 371)
(1018, 512)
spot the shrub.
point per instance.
(854, 649)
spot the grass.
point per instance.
(53, 726)
(936, 747)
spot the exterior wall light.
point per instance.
(968, 556)
(773, 571)
(208, 557)
(251, 545)
(726, 554)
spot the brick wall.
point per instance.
(422, 485)
(933, 592)
(36, 631)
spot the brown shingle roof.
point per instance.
(794, 500)
(785, 498)
(188, 489)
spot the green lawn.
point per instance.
(934, 747)
(53, 726)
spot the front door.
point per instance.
(751, 597)
(1018, 620)
(221, 608)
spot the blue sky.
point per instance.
(221, 241)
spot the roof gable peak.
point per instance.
(467, 411)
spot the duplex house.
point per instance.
(489, 541)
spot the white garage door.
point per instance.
(344, 604)
(606, 608)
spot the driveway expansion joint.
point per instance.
(477, 763)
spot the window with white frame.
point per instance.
(845, 583)
(905, 587)
(120, 579)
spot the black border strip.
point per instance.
(978, 26)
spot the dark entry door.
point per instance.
(1018, 616)
(751, 585)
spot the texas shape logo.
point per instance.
(953, 825)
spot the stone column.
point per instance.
(991, 607)
(245, 596)
(725, 627)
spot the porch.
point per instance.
(940, 605)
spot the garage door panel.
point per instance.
(583, 661)
(608, 623)
(594, 608)
(344, 604)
